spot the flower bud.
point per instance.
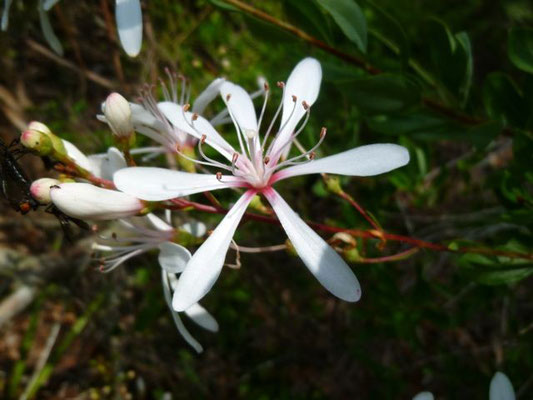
(85, 201)
(40, 189)
(37, 141)
(117, 111)
(39, 127)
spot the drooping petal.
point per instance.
(209, 94)
(323, 262)
(5, 15)
(501, 388)
(373, 159)
(76, 155)
(205, 265)
(304, 84)
(424, 396)
(167, 290)
(105, 165)
(195, 228)
(240, 105)
(85, 201)
(183, 120)
(47, 30)
(130, 25)
(172, 257)
(202, 318)
(157, 184)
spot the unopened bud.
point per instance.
(37, 141)
(40, 127)
(118, 114)
(86, 201)
(40, 189)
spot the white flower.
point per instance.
(256, 167)
(86, 201)
(40, 189)
(148, 233)
(424, 396)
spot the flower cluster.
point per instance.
(112, 187)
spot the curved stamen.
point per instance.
(267, 93)
(309, 154)
(278, 111)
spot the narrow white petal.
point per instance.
(172, 257)
(76, 155)
(303, 83)
(195, 228)
(5, 15)
(323, 262)
(156, 184)
(373, 159)
(130, 25)
(501, 388)
(48, 4)
(205, 265)
(85, 201)
(183, 121)
(209, 94)
(424, 396)
(105, 165)
(48, 32)
(158, 223)
(240, 104)
(201, 317)
(175, 316)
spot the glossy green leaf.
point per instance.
(382, 93)
(309, 17)
(520, 48)
(350, 19)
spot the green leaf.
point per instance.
(223, 5)
(382, 93)
(464, 90)
(350, 19)
(520, 48)
(503, 100)
(308, 16)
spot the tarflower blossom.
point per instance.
(128, 16)
(139, 235)
(257, 167)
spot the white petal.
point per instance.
(76, 155)
(5, 15)
(209, 94)
(201, 317)
(172, 257)
(323, 262)
(373, 159)
(175, 316)
(205, 265)
(156, 184)
(501, 388)
(105, 165)
(304, 83)
(424, 396)
(130, 25)
(48, 32)
(195, 228)
(48, 4)
(158, 223)
(240, 105)
(183, 121)
(85, 201)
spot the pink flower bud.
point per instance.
(39, 127)
(86, 201)
(117, 111)
(40, 189)
(37, 141)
